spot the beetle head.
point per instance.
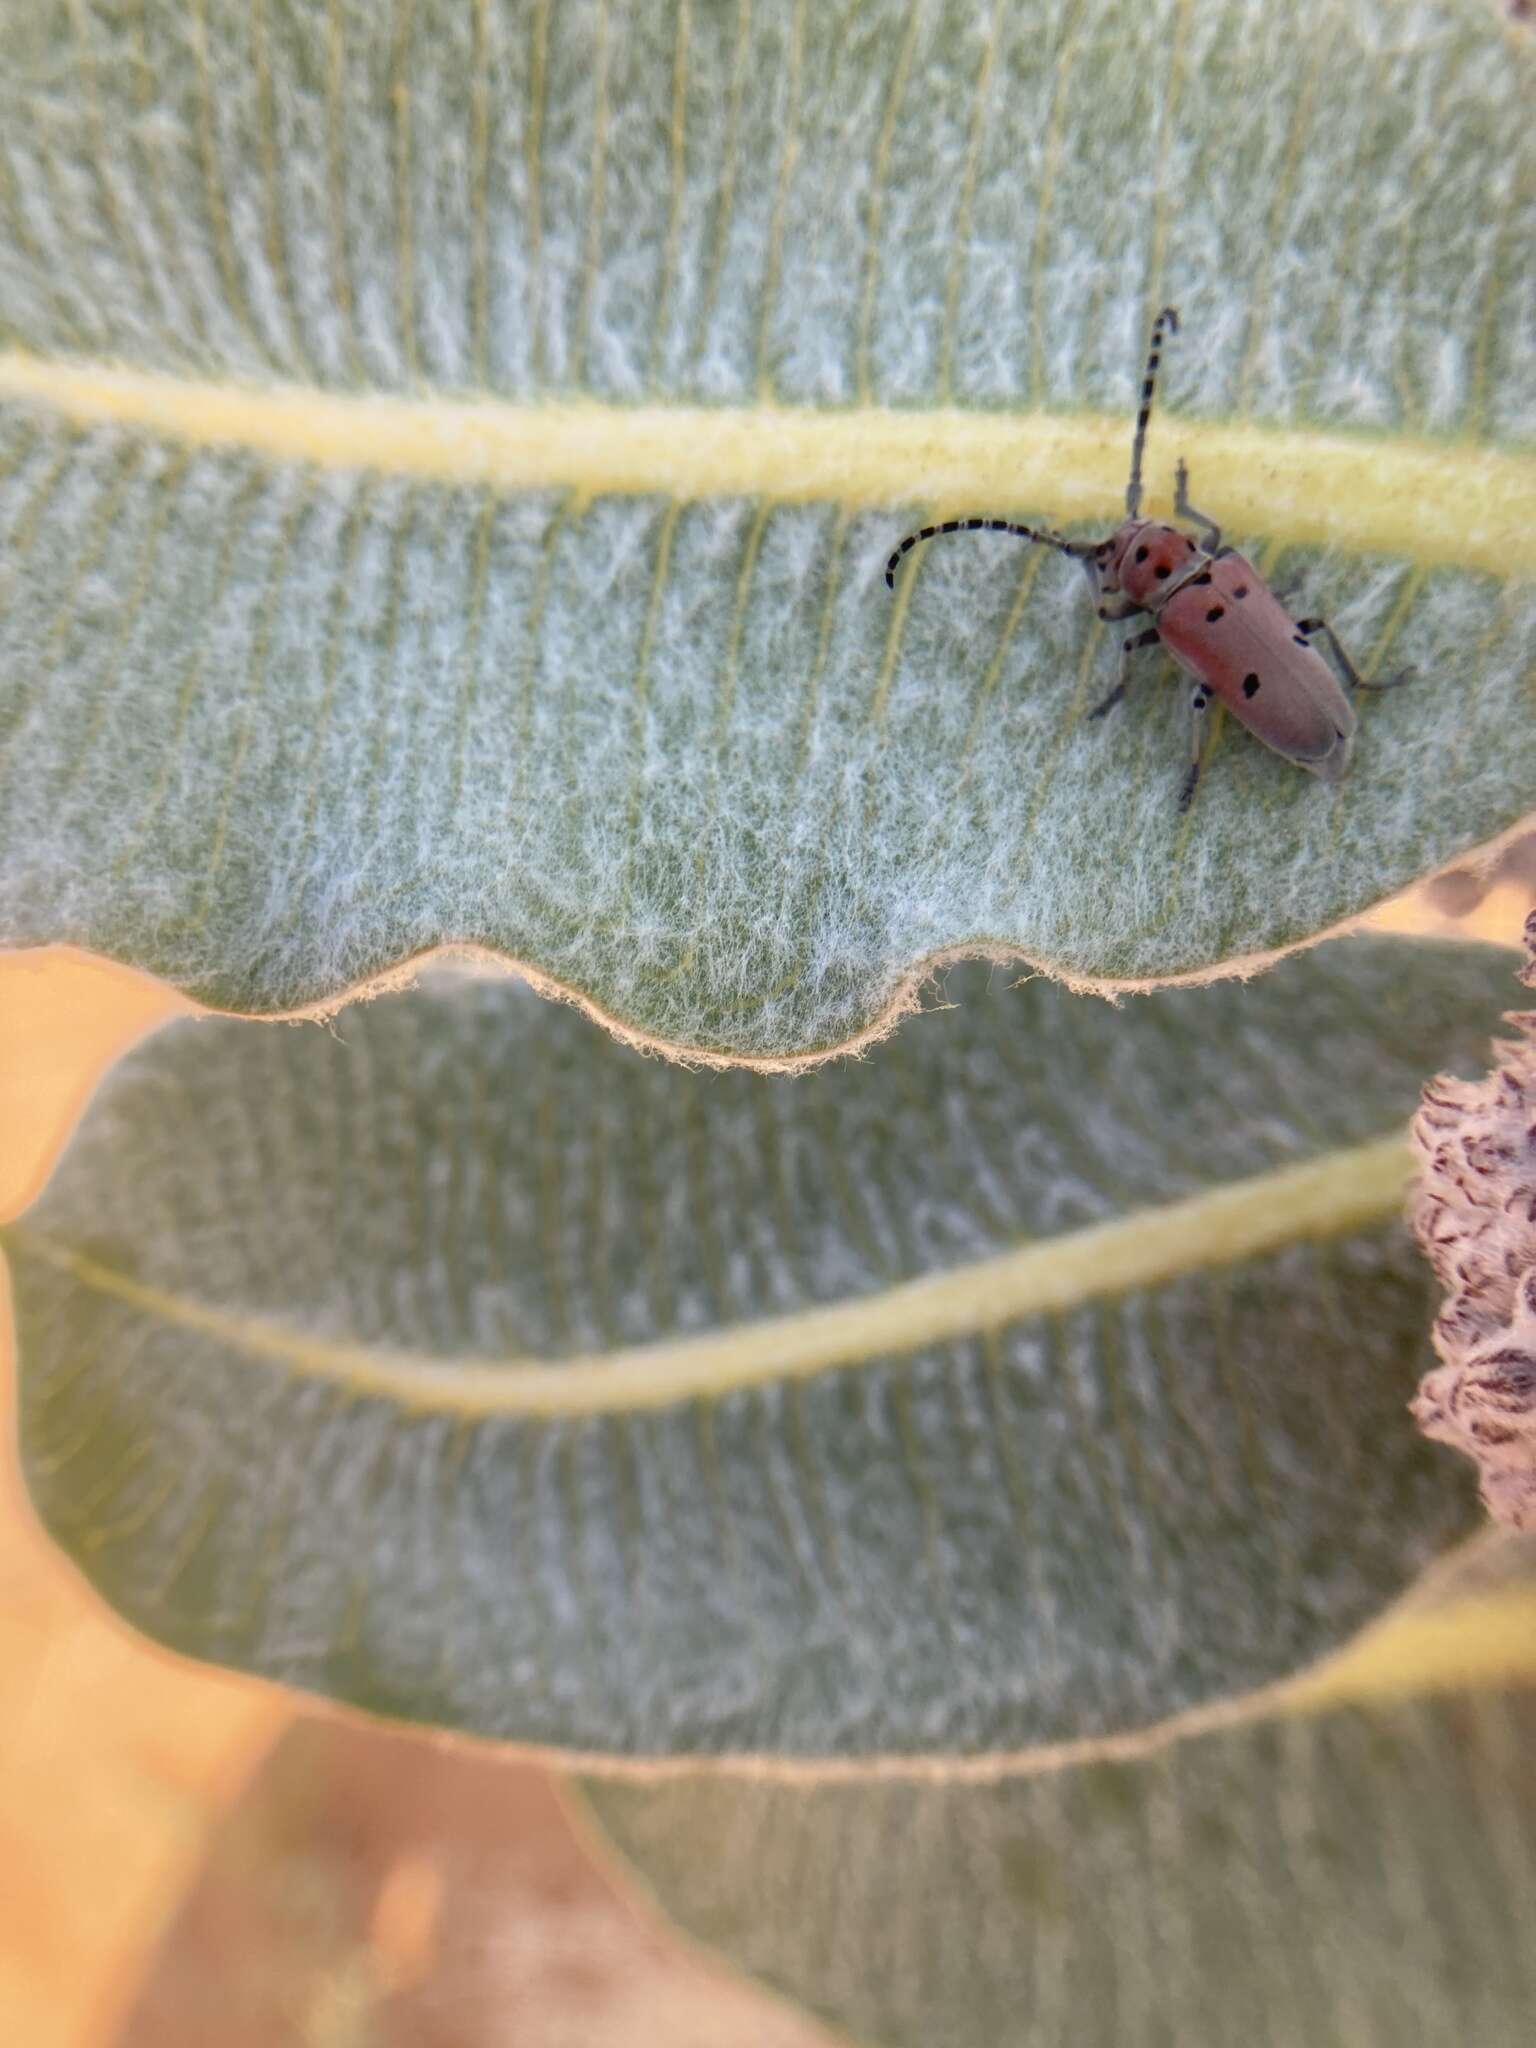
(1144, 557)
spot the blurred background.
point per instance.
(192, 1857)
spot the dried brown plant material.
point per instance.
(1474, 1214)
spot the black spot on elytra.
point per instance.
(1241, 590)
(1250, 686)
(1162, 569)
(1142, 553)
(1217, 611)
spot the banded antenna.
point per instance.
(1079, 549)
(1168, 318)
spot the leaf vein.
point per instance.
(1319, 1198)
(1435, 502)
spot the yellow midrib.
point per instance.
(1454, 503)
(1242, 1219)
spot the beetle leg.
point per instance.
(1124, 610)
(1184, 510)
(1197, 736)
(1356, 681)
(1095, 577)
(1150, 638)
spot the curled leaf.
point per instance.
(1037, 1379)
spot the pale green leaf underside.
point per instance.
(1350, 1882)
(266, 728)
(291, 1311)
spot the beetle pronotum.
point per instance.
(1213, 612)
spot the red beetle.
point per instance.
(1213, 612)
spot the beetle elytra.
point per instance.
(1212, 611)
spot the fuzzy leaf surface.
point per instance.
(1036, 1378)
(448, 455)
(1368, 1876)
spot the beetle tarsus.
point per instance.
(1352, 675)
(1184, 510)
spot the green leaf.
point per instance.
(448, 454)
(1040, 1377)
(1365, 1877)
